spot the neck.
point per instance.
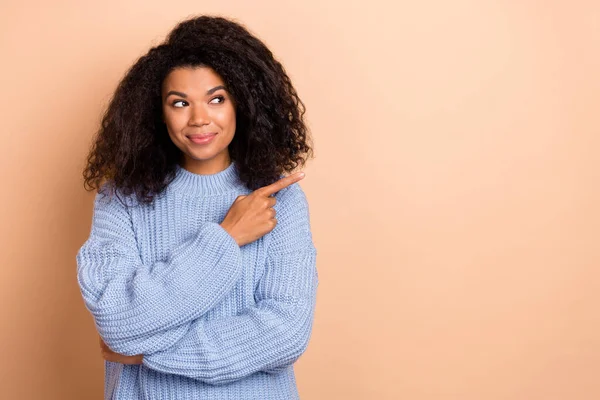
(206, 167)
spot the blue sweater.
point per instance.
(213, 320)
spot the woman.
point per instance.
(199, 269)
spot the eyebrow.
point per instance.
(208, 93)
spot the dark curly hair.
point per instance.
(132, 149)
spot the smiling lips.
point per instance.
(202, 139)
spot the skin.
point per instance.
(110, 355)
(195, 101)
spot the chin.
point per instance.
(196, 157)
(203, 155)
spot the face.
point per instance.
(200, 117)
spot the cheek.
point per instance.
(172, 130)
(173, 123)
(227, 119)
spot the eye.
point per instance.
(220, 99)
(179, 103)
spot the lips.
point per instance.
(202, 139)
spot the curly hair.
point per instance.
(132, 149)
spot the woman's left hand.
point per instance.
(110, 355)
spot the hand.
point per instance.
(110, 355)
(251, 217)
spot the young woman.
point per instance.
(199, 269)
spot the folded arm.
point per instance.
(269, 336)
(142, 308)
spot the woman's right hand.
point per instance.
(251, 217)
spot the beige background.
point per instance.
(454, 197)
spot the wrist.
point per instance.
(227, 229)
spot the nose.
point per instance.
(199, 116)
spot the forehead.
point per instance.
(192, 79)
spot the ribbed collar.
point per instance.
(196, 184)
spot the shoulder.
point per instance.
(292, 200)
(108, 196)
(112, 209)
(293, 219)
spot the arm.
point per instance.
(132, 302)
(269, 336)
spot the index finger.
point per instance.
(280, 184)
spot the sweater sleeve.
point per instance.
(140, 308)
(269, 336)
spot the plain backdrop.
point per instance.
(454, 195)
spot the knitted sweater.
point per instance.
(213, 320)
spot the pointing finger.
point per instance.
(280, 184)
